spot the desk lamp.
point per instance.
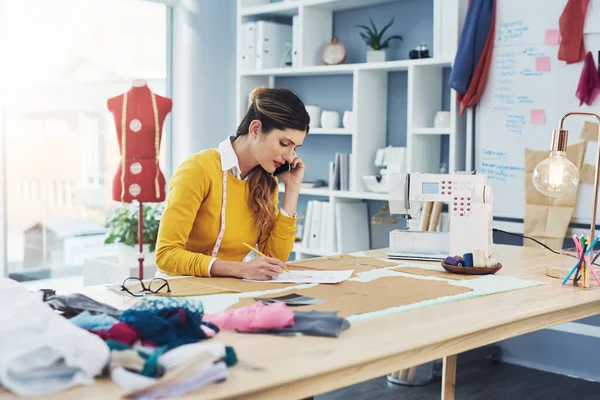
(556, 176)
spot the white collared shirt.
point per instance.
(229, 160)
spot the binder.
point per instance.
(315, 226)
(307, 224)
(272, 40)
(248, 46)
(296, 41)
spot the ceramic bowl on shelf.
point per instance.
(314, 112)
(330, 119)
(442, 119)
(348, 119)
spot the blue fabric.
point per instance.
(470, 45)
(98, 322)
(167, 322)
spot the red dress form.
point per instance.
(138, 176)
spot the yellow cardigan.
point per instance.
(192, 219)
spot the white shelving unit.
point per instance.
(370, 88)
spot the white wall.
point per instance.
(203, 75)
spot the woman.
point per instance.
(220, 198)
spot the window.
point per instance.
(65, 59)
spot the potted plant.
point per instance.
(374, 40)
(122, 230)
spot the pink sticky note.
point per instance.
(538, 117)
(543, 64)
(552, 36)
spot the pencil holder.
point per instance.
(569, 258)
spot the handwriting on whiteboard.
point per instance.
(488, 154)
(511, 31)
(501, 173)
(512, 101)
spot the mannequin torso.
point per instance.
(139, 116)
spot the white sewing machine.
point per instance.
(469, 201)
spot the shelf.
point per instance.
(319, 191)
(340, 194)
(332, 131)
(298, 248)
(431, 131)
(342, 69)
(284, 8)
(290, 7)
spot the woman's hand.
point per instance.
(295, 175)
(262, 268)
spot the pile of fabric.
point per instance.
(156, 349)
(279, 319)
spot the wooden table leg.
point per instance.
(449, 377)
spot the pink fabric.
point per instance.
(589, 82)
(100, 333)
(257, 316)
(123, 332)
(209, 331)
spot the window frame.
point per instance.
(167, 129)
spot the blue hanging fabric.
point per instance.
(470, 46)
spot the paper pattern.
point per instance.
(310, 277)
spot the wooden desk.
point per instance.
(274, 367)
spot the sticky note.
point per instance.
(538, 117)
(552, 37)
(543, 64)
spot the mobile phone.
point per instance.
(283, 168)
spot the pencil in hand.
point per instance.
(259, 253)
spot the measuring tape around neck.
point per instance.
(215, 249)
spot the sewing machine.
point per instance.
(469, 201)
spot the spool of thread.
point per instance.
(453, 261)
(478, 258)
(468, 259)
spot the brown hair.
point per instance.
(275, 109)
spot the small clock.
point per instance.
(334, 53)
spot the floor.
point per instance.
(479, 380)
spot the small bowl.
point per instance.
(471, 270)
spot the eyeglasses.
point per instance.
(137, 288)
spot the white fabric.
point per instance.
(41, 352)
(205, 374)
(172, 359)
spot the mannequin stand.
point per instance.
(141, 241)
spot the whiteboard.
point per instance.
(520, 89)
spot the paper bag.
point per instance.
(587, 174)
(590, 131)
(547, 219)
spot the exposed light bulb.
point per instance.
(556, 176)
